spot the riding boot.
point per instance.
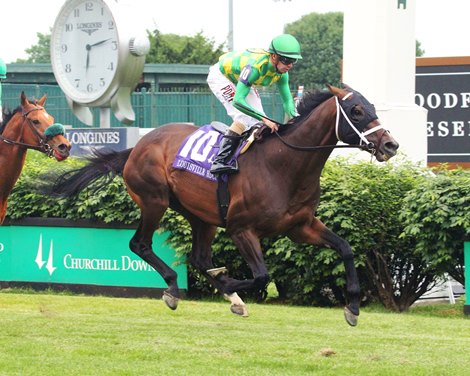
(227, 149)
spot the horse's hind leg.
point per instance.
(3, 210)
(141, 244)
(250, 248)
(201, 258)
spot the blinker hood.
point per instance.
(346, 132)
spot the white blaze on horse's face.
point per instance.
(39, 120)
(47, 119)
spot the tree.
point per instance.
(321, 38)
(164, 48)
(172, 48)
(419, 51)
(40, 52)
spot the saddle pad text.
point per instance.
(198, 151)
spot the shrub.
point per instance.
(437, 215)
(109, 205)
(405, 225)
(360, 202)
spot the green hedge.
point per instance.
(437, 215)
(108, 206)
(405, 224)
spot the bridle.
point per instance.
(42, 145)
(362, 135)
(364, 144)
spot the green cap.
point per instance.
(285, 45)
(54, 130)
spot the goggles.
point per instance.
(287, 60)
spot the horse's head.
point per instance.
(41, 133)
(357, 123)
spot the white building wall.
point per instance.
(379, 60)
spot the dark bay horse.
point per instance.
(27, 127)
(276, 191)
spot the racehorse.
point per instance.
(275, 192)
(29, 126)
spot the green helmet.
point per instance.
(285, 45)
(3, 69)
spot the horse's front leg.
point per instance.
(318, 234)
(141, 245)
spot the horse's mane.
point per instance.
(312, 100)
(7, 115)
(306, 105)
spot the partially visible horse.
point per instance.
(29, 126)
(276, 191)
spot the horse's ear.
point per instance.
(24, 100)
(42, 100)
(334, 90)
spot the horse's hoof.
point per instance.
(170, 300)
(350, 317)
(239, 309)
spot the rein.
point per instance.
(43, 145)
(368, 146)
(320, 147)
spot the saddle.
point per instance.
(198, 150)
(256, 133)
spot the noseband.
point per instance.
(42, 145)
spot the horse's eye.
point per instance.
(36, 122)
(356, 114)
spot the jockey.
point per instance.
(3, 75)
(233, 81)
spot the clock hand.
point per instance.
(98, 43)
(88, 48)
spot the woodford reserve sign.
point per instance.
(443, 88)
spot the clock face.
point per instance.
(85, 49)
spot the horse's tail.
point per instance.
(103, 163)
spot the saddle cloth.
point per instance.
(199, 149)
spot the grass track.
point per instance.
(49, 334)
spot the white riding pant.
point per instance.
(224, 90)
(1, 114)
